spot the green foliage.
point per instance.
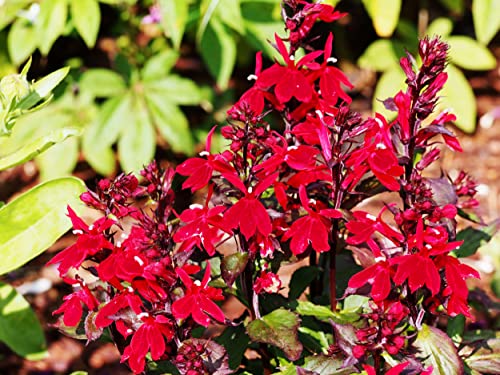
(384, 15)
(486, 20)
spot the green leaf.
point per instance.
(354, 303)
(440, 26)
(171, 122)
(455, 6)
(388, 85)
(174, 18)
(279, 328)
(236, 341)
(86, 17)
(437, 350)
(322, 313)
(382, 55)
(175, 89)
(486, 20)
(51, 22)
(455, 328)
(327, 365)
(136, 146)
(458, 95)
(79, 373)
(21, 41)
(35, 220)
(469, 54)
(384, 15)
(59, 161)
(10, 9)
(301, 279)
(473, 240)
(102, 83)
(159, 65)
(19, 326)
(34, 148)
(229, 12)
(486, 360)
(232, 266)
(218, 50)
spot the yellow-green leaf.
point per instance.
(50, 23)
(384, 15)
(486, 17)
(86, 17)
(388, 85)
(21, 41)
(469, 54)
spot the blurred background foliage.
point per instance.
(151, 77)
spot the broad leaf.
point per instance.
(218, 50)
(322, 313)
(486, 360)
(327, 365)
(462, 48)
(382, 55)
(159, 65)
(236, 341)
(19, 326)
(455, 328)
(455, 6)
(175, 89)
(301, 279)
(21, 41)
(102, 83)
(458, 95)
(35, 220)
(388, 85)
(485, 14)
(136, 146)
(232, 266)
(437, 350)
(9, 10)
(174, 18)
(59, 161)
(440, 26)
(34, 148)
(473, 240)
(384, 15)
(229, 12)
(279, 328)
(50, 23)
(86, 17)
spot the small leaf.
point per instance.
(21, 41)
(9, 11)
(437, 350)
(35, 220)
(440, 26)
(174, 18)
(327, 365)
(229, 12)
(136, 146)
(455, 6)
(50, 23)
(171, 122)
(486, 20)
(388, 85)
(19, 326)
(102, 83)
(86, 17)
(354, 303)
(455, 328)
(322, 313)
(159, 65)
(279, 328)
(218, 50)
(382, 55)
(175, 89)
(232, 266)
(458, 95)
(39, 145)
(486, 360)
(59, 161)
(301, 279)
(469, 54)
(384, 15)
(473, 240)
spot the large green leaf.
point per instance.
(171, 122)
(35, 220)
(174, 18)
(175, 89)
(136, 146)
(21, 41)
(86, 17)
(382, 55)
(458, 95)
(486, 360)
(34, 148)
(102, 83)
(437, 350)
(19, 326)
(485, 14)
(323, 313)
(9, 9)
(473, 240)
(327, 365)
(50, 23)
(388, 85)
(301, 279)
(440, 26)
(384, 15)
(462, 48)
(229, 12)
(279, 328)
(59, 161)
(218, 50)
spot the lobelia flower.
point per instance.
(71, 308)
(267, 282)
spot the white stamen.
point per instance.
(195, 205)
(197, 282)
(143, 315)
(129, 331)
(139, 260)
(77, 231)
(204, 153)
(381, 146)
(427, 246)
(292, 148)
(91, 227)
(118, 244)
(379, 122)
(250, 190)
(312, 201)
(332, 60)
(379, 259)
(371, 217)
(292, 58)
(130, 289)
(252, 77)
(319, 113)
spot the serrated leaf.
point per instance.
(440, 26)
(486, 360)
(232, 266)
(136, 146)
(485, 14)
(473, 240)
(279, 328)
(35, 220)
(59, 161)
(51, 22)
(159, 65)
(384, 15)
(469, 54)
(459, 97)
(102, 83)
(437, 350)
(382, 55)
(21, 40)
(19, 326)
(327, 365)
(174, 18)
(388, 85)
(171, 122)
(175, 89)
(218, 50)
(86, 17)
(34, 148)
(301, 279)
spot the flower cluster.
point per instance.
(279, 195)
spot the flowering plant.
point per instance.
(154, 274)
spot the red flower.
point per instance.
(149, 337)
(198, 300)
(396, 370)
(418, 270)
(125, 299)
(378, 276)
(72, 305)
(267, 282)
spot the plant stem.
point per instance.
(333, 266)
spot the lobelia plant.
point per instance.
(279, 196)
